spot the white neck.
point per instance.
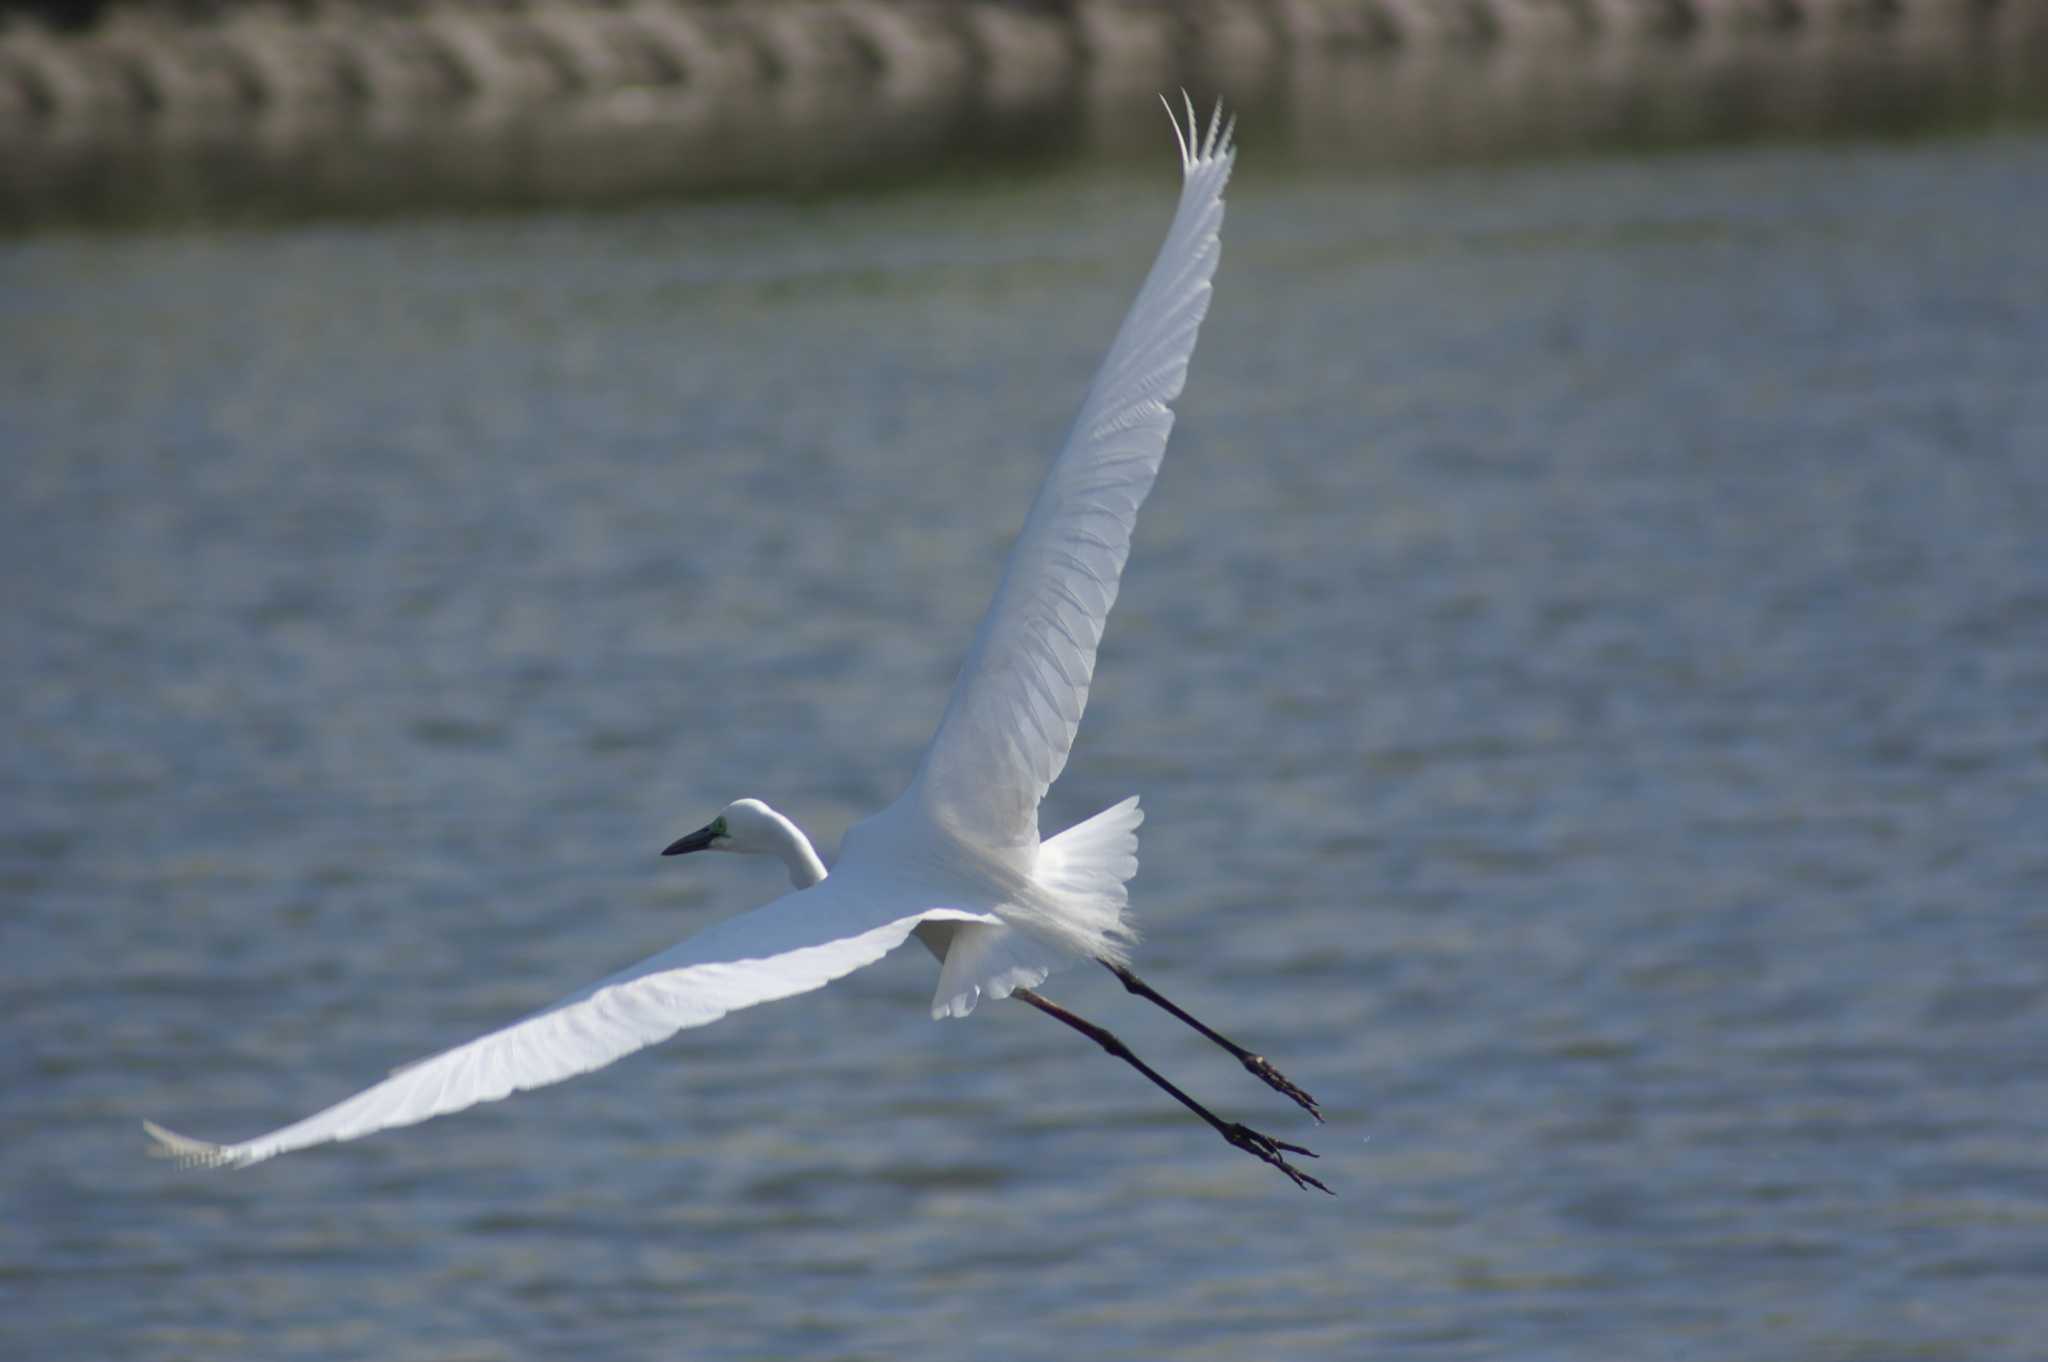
(801, 859)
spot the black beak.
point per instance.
(696, 841)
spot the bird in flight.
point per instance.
(956, 861)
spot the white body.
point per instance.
(957, 858)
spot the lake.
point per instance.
(1585, 663)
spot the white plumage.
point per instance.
(957, 859)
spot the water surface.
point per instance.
(1586, 663)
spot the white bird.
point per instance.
(956, 861)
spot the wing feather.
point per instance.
(797, 943)
(1011, 719)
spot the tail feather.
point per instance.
(1080, 878)
(1094, 858)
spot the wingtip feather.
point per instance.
(1173, 119)
(1200, 146)
(186, 1151)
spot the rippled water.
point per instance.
(1586, 663)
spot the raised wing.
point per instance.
(797, 943)
(1013, 712)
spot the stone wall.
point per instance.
(184, 107)
(426, 59)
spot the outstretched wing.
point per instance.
(797, 943)
(1019, 697)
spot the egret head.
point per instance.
(746, 825)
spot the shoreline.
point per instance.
(351, 107)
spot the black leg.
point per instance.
(1243, 1137)
(1256, 1065)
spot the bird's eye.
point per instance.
(718, 827)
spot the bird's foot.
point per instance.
(1258, 1068)
(1261, 1146)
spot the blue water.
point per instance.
(1586, 663)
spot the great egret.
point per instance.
(956, 861)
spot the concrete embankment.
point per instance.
(340, 104)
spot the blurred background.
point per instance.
(167, 110)
(1586, 664)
